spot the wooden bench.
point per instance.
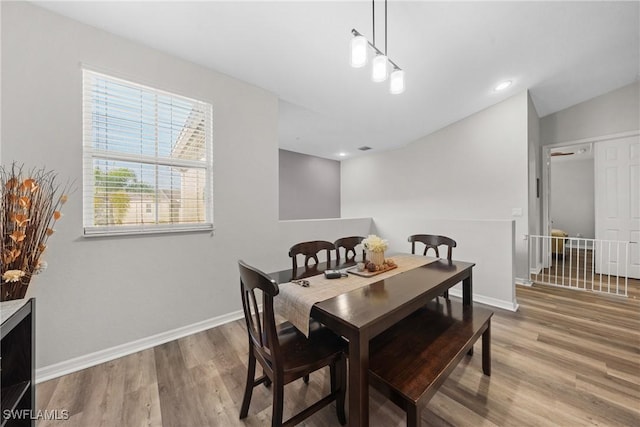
(412, 359)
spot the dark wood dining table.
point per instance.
(362, 314)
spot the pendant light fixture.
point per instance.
(359, 51)
(379, 69)
(381, 62)
(396, 81)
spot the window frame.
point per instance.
(90, 152)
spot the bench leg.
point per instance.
(413, 415)
(486, 350)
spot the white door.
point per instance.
(617, 197)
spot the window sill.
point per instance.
(91, 232)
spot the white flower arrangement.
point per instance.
(374, 243)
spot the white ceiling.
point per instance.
(453, 54)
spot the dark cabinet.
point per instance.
(17, 367)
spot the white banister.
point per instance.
(580, 263)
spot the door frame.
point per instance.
(546, 176)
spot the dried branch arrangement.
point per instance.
(31, 203)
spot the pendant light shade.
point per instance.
(359, 46)
(396, 82)
(381, 62)
(380, 68)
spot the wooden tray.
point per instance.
(367, 273)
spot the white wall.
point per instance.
(535, 178)
(309, 186)
(475, 169)
(493, 283)
(487, 243)
(614, 112)
(104, 297)
(572, 196)
(102, 292)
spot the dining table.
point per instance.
(379, 303)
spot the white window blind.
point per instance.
(147, 159)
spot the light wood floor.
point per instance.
(566, 358)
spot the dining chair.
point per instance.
(284, 353)
(310, 251)
(432, 241)
(349, 244)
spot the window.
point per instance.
(147, 159)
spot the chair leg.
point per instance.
(446, 294)
(341, 379)
(333, 376)
(267, 381)
(278, 403)
(248, 390)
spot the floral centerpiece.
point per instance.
(375, 247)
(30, 209)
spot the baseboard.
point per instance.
(523, 282)
(505, 305)
(82, 362)
(535, 270)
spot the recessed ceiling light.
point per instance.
(502, 86)
(342, 154)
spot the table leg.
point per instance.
(467, 289)
(414, 415)
(486, 349)
(358, 381)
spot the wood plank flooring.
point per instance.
(566, 358)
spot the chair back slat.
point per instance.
(310, 251)
(254, 322)
(432, 241)
(349, 244)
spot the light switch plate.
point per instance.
(516, 211)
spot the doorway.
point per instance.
(572, 190)
(590, 201)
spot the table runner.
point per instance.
(294, 302)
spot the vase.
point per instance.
(14, 290)
(375, 257)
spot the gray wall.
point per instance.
(614, 112)
(572, 196)
(534, 154)
(103, 292)
(309, 187)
